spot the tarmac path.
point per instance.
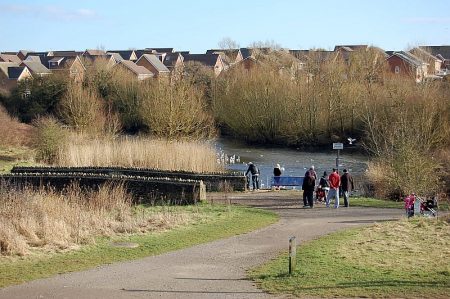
(211, 270)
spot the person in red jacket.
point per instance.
(335, 182)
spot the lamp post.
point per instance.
(338, 147)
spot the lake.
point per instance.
(294, 161)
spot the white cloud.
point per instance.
(48, 12)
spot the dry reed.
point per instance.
(139, 152)
(45, 220)
(13, 133)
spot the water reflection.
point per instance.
(294, 162)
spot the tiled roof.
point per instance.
(69, 53)
(351, 47)
(170, 59)
(116, 56)
(9, 58)
(33, 58)
(161, 50)
(443, 51)
(410, 58)
(304, 55)
(157, 64)
(423, 54)
(138, 70)
(245, 52)
(92, 52)
(125, 54)
(139, 53)
(36, 67)
(205, 59)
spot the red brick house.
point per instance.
(403, 63)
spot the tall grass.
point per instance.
(13, 133)
(196, 156)
(49, 220)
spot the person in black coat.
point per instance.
(254, 171)
(347, 186)
(308, 187)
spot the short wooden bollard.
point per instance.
(292, 254)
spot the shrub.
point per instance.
(176, 111)
(48, 139)
(82, 109)
(37, 97)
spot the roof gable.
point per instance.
(36, 67)
(136, 69)
(155, 62)
(409, 58)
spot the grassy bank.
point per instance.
(213, 222)
(380, 203)
(10, 157)
(405, 259)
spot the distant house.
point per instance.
(213, 61)
(33, 58)
(153, 64)
(72, 65)
(161, 50)
(442, 53)
(11, 73)
(92, 54)
(435, 64)
(36, 68)
(69, 53)
(139, 53)
(244, 57)
(140, 72)
(228, 55)
(10, 58)
(174, 60)
(406, 64)
(125, 54)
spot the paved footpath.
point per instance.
(212, 270)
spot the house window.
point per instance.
(397, 69)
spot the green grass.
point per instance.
(10, 157)
(217, 221)
(405, 259)
(380, 203)
(374, 203)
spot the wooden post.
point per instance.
(292, 255)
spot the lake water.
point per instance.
(295, 162)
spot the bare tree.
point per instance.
(227, 43)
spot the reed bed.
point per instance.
(33, 220)
(195, 156)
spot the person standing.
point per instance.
(254, 171)
(347, 186)
(308, 187)
(276, 176)
(335, 181)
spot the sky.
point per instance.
(200, 25)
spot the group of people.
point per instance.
(329, 187)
